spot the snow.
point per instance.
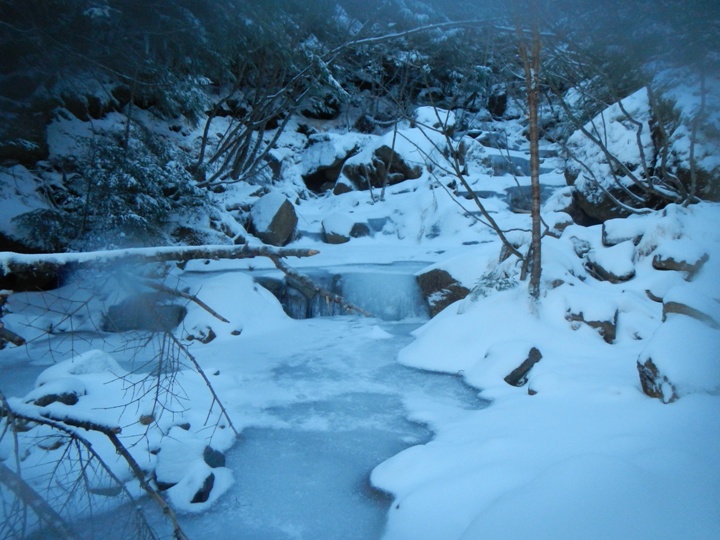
(264, 210)
(617, 260)
(691, 367)
(623, 128)
(579, 451)
(338, 223)
(327, 148)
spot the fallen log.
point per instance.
(13, 264)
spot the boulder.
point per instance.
(497, 104)
(144, 312)
(440, 289)
(273, 219)
(204, 334)
(692, 302)
(617, 231)
(213, 458)
(385, 166)
(654, 383)
(680, 358)
(673, 257)
(613, 264)
(360, 230)
(343, 185)
(65, 390)
(607, 328)
(203, 494)
(683, 308)
(557, 222)
(323, 160)
(336, 228)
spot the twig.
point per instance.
(169, 290)
(200, 371)
(111, 434)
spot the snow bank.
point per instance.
(578, 451)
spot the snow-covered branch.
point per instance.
(16, 263)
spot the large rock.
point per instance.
(617, 231)
(691, 302)
(682, 357)
(613, 264)
(385, 166)
(440, 289)
(323, 160)
(336, 228)
(340, 228)
(144, 312)
(678, 256)
(273, 219)
(65, 390)
(607, 327)
(599, 313)
(654, 383)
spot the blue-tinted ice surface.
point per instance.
(309, 479)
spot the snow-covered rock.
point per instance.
(614, 264)
(145, 312)
(694, 303)
(273, 219)
(682, 357)
(679, 256)
(618, 128)
(337, 228)
(323, 159)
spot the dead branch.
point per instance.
(12, 337)
(307, 282)
(174, 292)
(24, 492)
(40, 505)
(111, 434)
(200, 371)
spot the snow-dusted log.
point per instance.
(45, 263)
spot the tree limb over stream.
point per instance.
(16, 263)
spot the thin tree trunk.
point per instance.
(531, 64)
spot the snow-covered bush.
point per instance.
(122, 193)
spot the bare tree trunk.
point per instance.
(530, 56)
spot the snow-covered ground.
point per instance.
(578, 450)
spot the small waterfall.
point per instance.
(388, 296)
(389, 292)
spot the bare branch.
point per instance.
(307, 282)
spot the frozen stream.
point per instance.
(320, 402)
(307, 475)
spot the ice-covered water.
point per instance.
(303, 460)
(387, 291)
(308, 478)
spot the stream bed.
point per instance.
(309, 479)
(321, 402)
